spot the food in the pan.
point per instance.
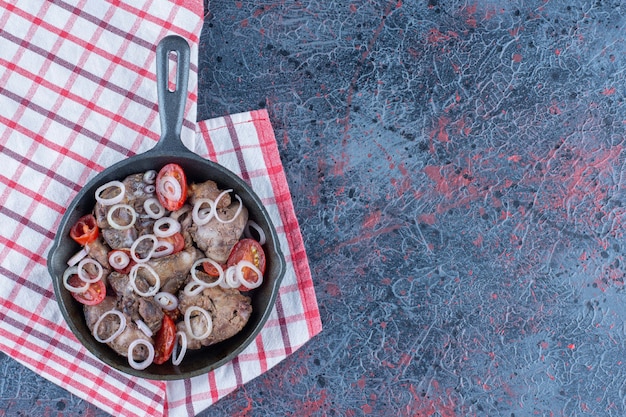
(165, 266)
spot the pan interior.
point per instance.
(197, 169)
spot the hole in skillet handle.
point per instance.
(172, 74)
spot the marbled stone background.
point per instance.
(457, 169)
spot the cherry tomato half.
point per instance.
(94, 294)
(85, 230)
(251, 251)
(171, 187)
(164, 340)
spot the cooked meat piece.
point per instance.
(229, 309)
(144, 224)
(131, 333)
(99, 251)
(93, 313)
(207, 189)
(136, 190)
(172, 269)
(134, 196)
(151, 313)
(119, 282)
(136, 307)
(109, 326)
(119, 239)
(216, 239)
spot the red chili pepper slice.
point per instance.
(85, 230)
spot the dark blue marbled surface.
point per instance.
(457, 169)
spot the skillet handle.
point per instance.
(172, 102)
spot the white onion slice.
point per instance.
(166, 300)
(149, 177)
(201, 216)
(133, 277)
(222, 194)
(73, 270)
(119, 330)
(180, 212)
(205, 284)
(148, 208)
(239, 272)
(170, 188)
(144, 328)
(254, 225)
(207, 316)
(117, 226)
(193, 288)
(232, 219)
(133, 248)
(172, 226)
(113, 200)
(145, 363)
(231, 280)
(78, 256)
(163, 248)
(84, 276)
(149, 189)
(118, 259)
(176, 357)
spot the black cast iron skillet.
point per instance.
(169, 149)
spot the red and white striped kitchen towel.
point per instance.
(78, 93)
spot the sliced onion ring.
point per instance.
(133, 277)
(149, 204)
(208, 318)
(163, 248)
(176, 215)
(172, 227)
(117, 226)
(193, 288)
(113, 200)
(149, 189)
(239, 272)
(118, 259)
(78, 256)
(73, 270)
(133, 248)
(205, 284)
(222, 194)
(231, 280)
(236, 213)
(148, 361)
(176, 357)
(144, 328)
(199, 215)
(119, 330)
(251, 224)
(85, 277)
(149, 177)
(170, 188)
(166, 300)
